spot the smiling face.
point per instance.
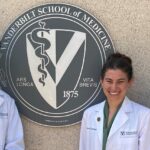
(115, 85)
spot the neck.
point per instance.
(113, 104)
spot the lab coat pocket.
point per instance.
(129, 142)
(91, 131)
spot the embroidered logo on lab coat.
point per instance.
(125, 134)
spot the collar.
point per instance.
(127, 105)
(1, 97)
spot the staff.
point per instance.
(117, 123)
(11, 131)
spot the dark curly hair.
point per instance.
(118, 61)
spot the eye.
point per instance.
(109, 81)
(121, 81)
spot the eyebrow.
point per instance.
(121, 79)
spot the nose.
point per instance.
(114, 86)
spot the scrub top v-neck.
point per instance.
(106, 126)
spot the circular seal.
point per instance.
(51, 59)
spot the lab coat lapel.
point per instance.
(99, 121)
(121, 117)
(1, 97)
(1, 100)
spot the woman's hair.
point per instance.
(118, 61)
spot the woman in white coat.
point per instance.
(11, 131)
(117, 123)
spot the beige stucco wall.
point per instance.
(128, 23)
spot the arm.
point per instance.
(144, 143)
(14, 137)
(82, 145)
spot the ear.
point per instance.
(101, 81)
(131, 82)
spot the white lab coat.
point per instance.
(11, 131)
(130, 129)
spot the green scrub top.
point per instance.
(106, 128)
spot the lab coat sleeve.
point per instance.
(14, 137)
(144, 143)
(83, 136)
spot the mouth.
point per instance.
(113, 93)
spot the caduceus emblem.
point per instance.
(40, 50)
(48, 61)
